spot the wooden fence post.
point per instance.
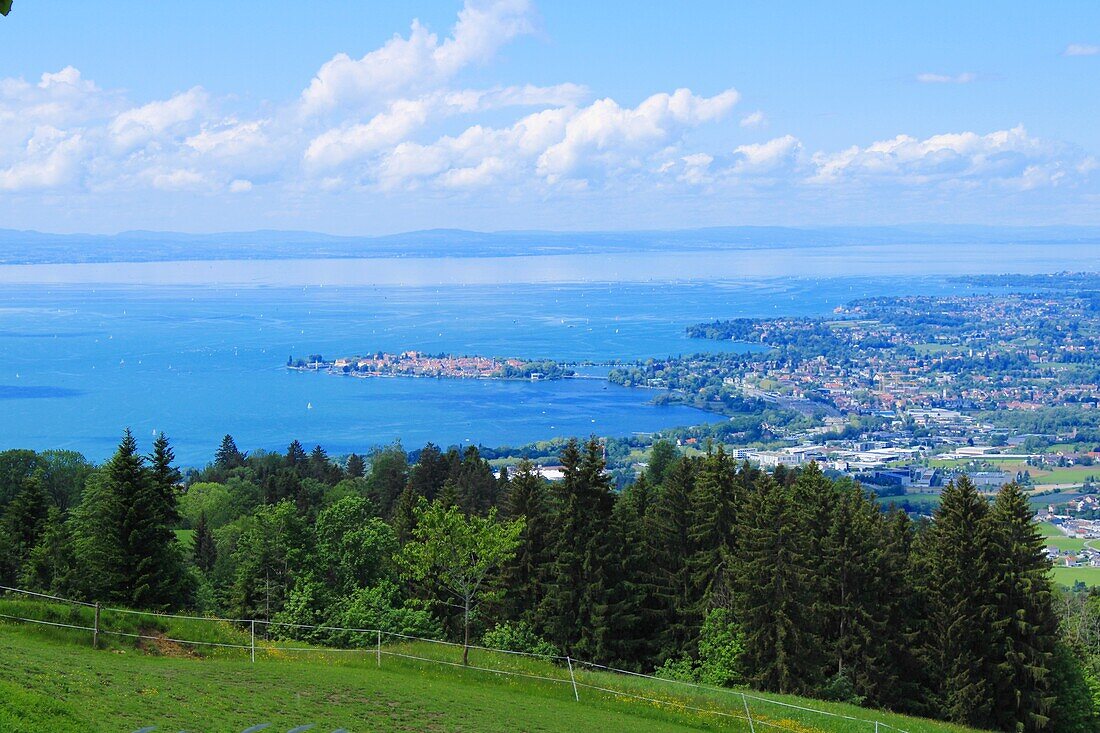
(95, 634)
(253, 641)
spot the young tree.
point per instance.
(460, 554)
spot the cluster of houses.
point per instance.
(1083, 529)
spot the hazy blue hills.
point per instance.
(31, 247)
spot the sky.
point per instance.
(370, 118)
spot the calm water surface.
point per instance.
(196, 349)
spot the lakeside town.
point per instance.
(439, 366)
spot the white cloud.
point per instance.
(964, 78)
(50, 159)
(417, 62)
(139, 125)
(338, 146)
(240, 186)
(1081, 49)
(230, 138)
(607, 134)
(766, 157)
(1005, 156)
(754, 119)
(177, 180)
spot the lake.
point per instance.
(196, 349)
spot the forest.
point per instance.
(700, 569)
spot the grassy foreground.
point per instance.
(52, 680)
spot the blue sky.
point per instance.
(346, 117)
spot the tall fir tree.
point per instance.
(228, 456)
(524, 576)
(152, 568)
(774, 592)
(24, 522)
(355, 467)
(961, 608)
(672, 548)
(1026, 626)
(166, 479)
(714, 510)
(204, 550)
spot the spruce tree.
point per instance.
(50, 565)
(524, 576)
(166, 478)
(228, 457)
(355, 467)
(203, 549)
(150, 567)
(773, 597)
(561, 611)
(1026, 626)
(296, 457)
(670, 522)
(404, 514)
(853, 619)
(24, 522)
(714, 515)
(961, 608)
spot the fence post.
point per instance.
(95, 634)
(572, 679)
(253, 641)
(378, 649)
(876, 726)
(748, 714)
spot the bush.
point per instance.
(720, 648)
(518, 637)
(839, 688)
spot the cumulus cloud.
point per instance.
(141, 124)
(51, 158)
(754, 119)
(419, 61)
(607, 134)
(1011, 157)
(1081, 49)
(767, 157)
(964, 78)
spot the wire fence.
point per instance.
(751, 709)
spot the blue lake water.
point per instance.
(197, 349)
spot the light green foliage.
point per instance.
(210, 499)
(518, 636)
(718, 661)
(458, 553)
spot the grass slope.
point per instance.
(52, 680)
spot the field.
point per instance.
(1069, 576)
(53, 680)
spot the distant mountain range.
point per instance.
(31, 247)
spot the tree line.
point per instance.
(701, 569)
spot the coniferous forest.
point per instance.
(701, 569)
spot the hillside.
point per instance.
(52, 680)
